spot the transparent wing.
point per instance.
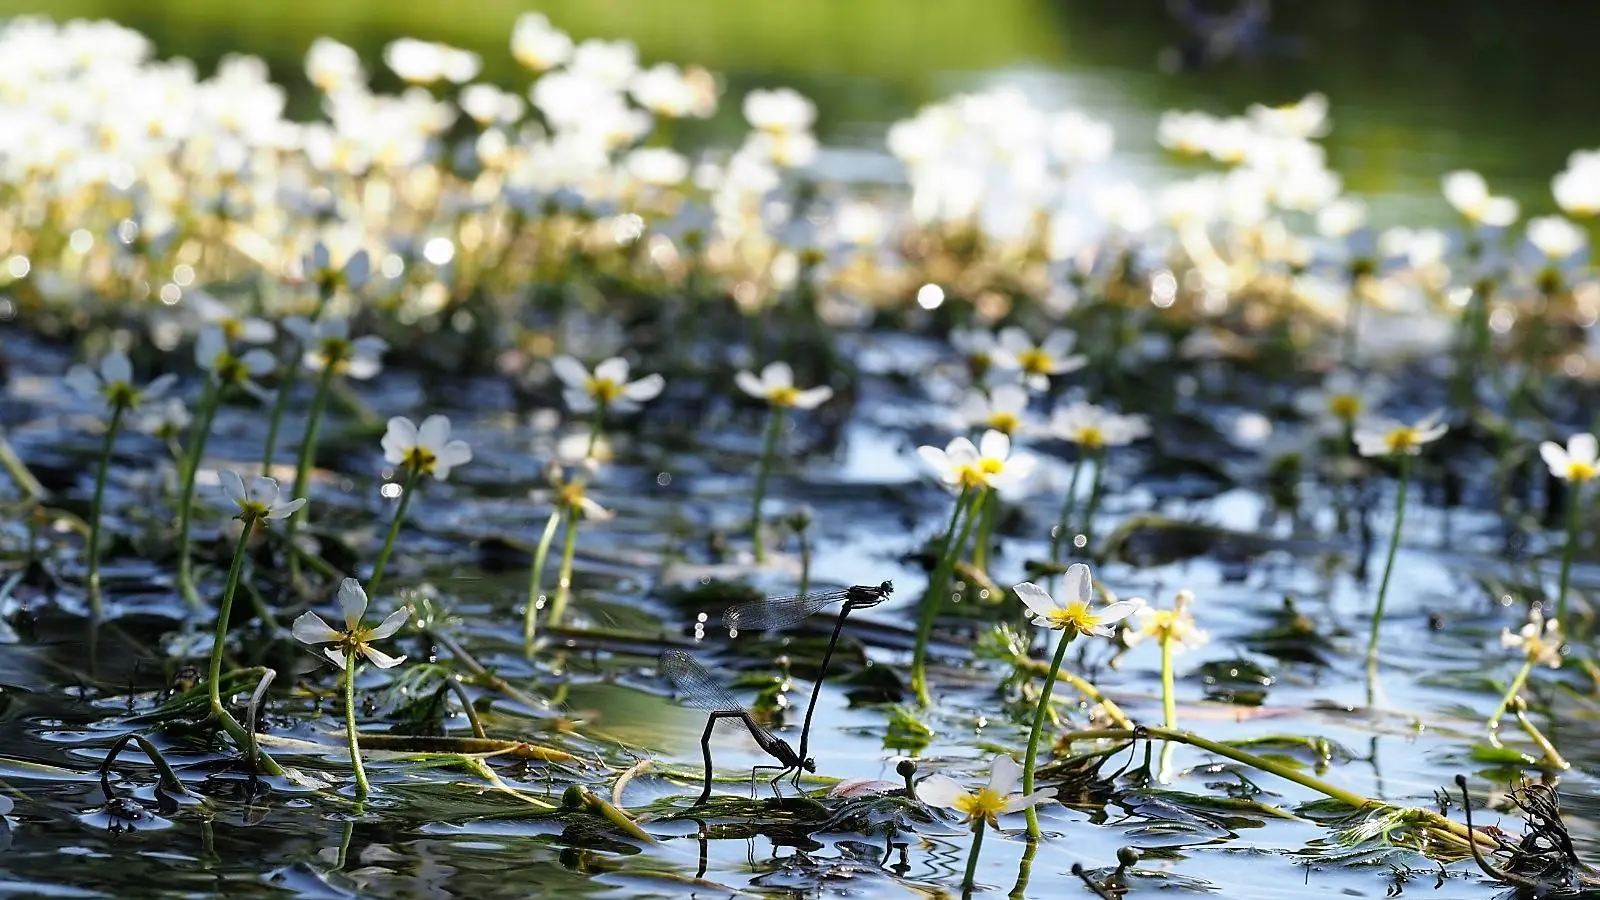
(779, 612)
(698, 688)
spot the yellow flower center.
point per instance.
(1075, 616)
(782, 396)
(229, 368)
(231, 327)
(421, 459)
(1402, 439)
(985, 804)
(1579, 472)
(604, 390)
(1005, 422)
(1344, 406)
(121, 393)
(252, 509)
(571, 494)
(1091, 437)
(335, 351)
(1035, 362)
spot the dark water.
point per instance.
(1418, 89)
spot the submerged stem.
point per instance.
(98, 504)
(569, 545)
(406, 490)
(1030, 760)
(535, 574)
(1388, 566)
(362, 788)
(768, 451)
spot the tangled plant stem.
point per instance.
(98, 504)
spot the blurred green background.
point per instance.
(1418, 87)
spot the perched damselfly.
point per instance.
(696, 687)
(781, 612)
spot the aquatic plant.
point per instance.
(1094, 430)
(776, 387)
(350, 643)
(571, 504)
(420, 450)
(606, 389)
(1376, 437)
(1577, 464)
(985, 805)
(1174, 631)
(1541, 643)
(1074, 615)
(110, 385)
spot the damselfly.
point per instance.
(697, 688)
(781, 612)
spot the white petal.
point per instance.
(646, 388)
(578, 400)
(208, 346)
(1078, 585)
(1014, 340)
(940, 790)
(357, 270)
(570, 371)
(1020, 802)
(286, 509)
(299, 327)
(777, 375)
(390, 624)
(1583, 448)
(379, 658)
(1036, 598)
(935, 459)
(84, 382)
(434, 432)
(116, 367)
(1058, 345)
(258, 362)
(399, 438)
(262, 489)
(615, 369)
(335, 654)
(1555, 457)
(813, 398)
(1116, 612)
(750, 384)
(994, 445)
(233, 486)
(310, 629)
(321, 259)
(1004, 774)
(455, 453)
(1011, 398)
(159, 386)
(352, 602)
(960, 452)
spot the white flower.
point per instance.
(1469, 194)
(318, 267)
(1578, 462)
(487, 105)
(1176, 624)
(1577, 188)
(259, 499)
(333, 66)
(211, 353)
(424, 62)
(977, 346)
(1039, 361)
(1074, 613)
(427, 448)
(538, 45)
(1539, 640)
(311, 629)
(989, 802)
(235, 327)
(1095, 427)
(610, 63)
(1555, 237)
(1386, 437)
(167, 419)
(572, 493)
(1001, 408)
(327, 342)
(784, 110)
(113, 385)
(1342, 399)
(776, 386)
(657, 166)
(987, 465)
(608, 386)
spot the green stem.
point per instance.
(950, 549)
(1019, 891)
(1573, 508)
(988, 514)
(1169, 696)
(1511, 693)
(1388, 566)
(535, 574)
(569, 544)
(1068, 506)
(1096, 487)
(97, 505)
(1341, 484)
(302, 465)
(224, 613)
(362, 788)
(972, 859)
(1039, 714)
(291, 374)
(406, 490)
(209, 400)
(594, 429)
(805, 561)
(774, 431)
(19, 471)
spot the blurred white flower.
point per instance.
(782, 110)
(426, 449)
(1001, 408)
(608, 385)
(1075, 612)
(1342, 399)
(425, 62)
(538, 45)
(610, 63)
(327, 343)
(1578, 462)
(1577, 187)
(112, 383)
(989, 464)
(1037, 362)
(1540, 640)
(1469, 194)
(776, 386)
(211, 353)
(258, 499)
(166, 420)
(1094, 427)
(1378, 436)
(1555, 237)
(1176, 624)
(333, 66)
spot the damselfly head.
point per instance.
(809, 764)
(886, 588)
